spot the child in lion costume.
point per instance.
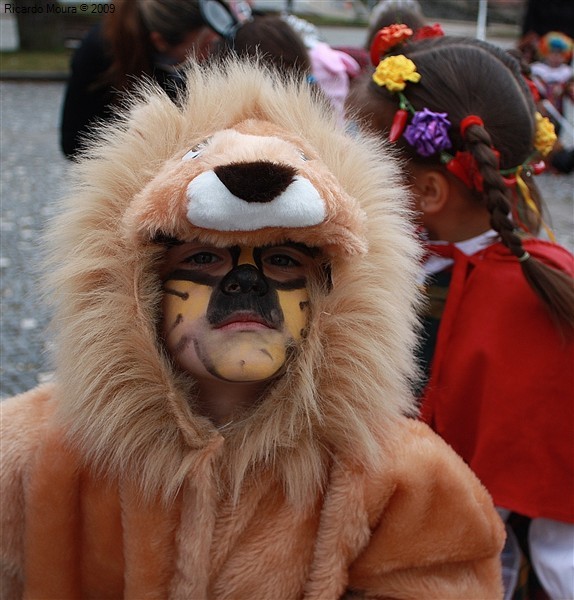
(234, 288)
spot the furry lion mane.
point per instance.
(121, 402)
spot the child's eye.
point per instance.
(282, 260)
(202, 258)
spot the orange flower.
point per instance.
(387, 38)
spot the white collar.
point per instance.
(434, 264)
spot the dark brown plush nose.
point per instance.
(256, 181)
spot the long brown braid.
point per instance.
(463, 77)
(555, 288)
(495, 195)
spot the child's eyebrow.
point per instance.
(312, 252)
(170, 241)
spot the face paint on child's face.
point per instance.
(234, 313)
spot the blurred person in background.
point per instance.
(498, 327)
(333, 67)
(140, 38)
(541, 17)
(553, 73)
(554, 76)
(274, 40)
(553, 18)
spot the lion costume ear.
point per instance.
(249, 184)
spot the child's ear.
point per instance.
(433, 188)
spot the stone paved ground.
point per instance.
(32, 177)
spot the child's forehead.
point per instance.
(177, 248)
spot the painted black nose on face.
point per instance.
(245, 279)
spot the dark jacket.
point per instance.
(88, 99)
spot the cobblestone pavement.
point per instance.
(32, 177)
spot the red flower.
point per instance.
(429, 31)
(463, 165)
(387, 38)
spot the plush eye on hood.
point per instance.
(251, 184)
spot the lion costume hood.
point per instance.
(146, 183)
(248, 160)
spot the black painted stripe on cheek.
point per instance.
(292, 284)
(172, 292)
(178, 320)
(193, 276)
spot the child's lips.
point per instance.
(244, 321)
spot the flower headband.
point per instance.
(428, 131)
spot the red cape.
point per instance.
(505, 402)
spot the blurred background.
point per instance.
(56, 27)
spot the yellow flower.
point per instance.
(394, 71)
(545, 135)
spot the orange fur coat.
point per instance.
(421, 527)
(113, 485)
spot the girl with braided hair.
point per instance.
(498, 341)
